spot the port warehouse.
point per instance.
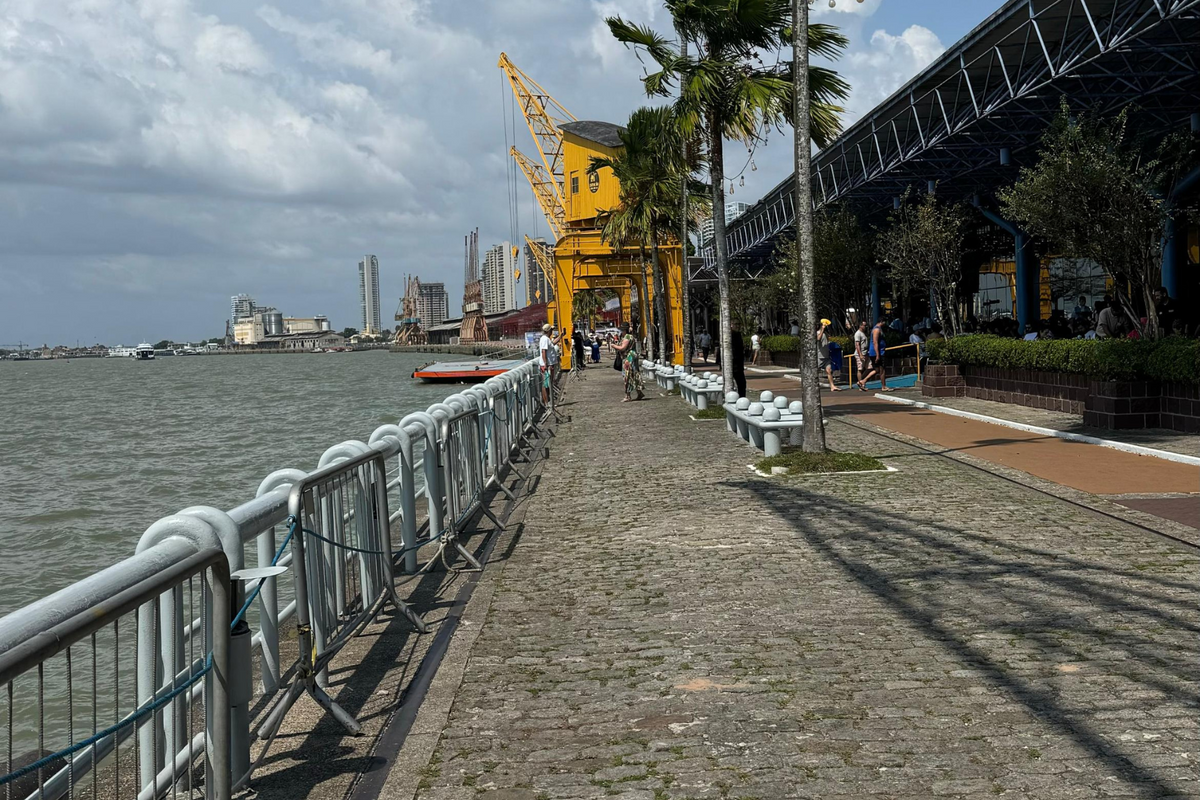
(967, 124)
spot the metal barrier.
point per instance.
(314, 548)
(74, 641)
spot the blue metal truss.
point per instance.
(996, 89)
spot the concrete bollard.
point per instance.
(755, 432)
(770, 438)
(743, 428)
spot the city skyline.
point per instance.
(253, 148)
(499, 279)
(368, 293)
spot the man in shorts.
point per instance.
(862, 361)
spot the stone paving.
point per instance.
(668, 625)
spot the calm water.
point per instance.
(92, 451)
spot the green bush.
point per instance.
(781, 344)
(1172, 360)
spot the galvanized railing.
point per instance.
(314, 548)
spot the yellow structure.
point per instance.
(575, 203)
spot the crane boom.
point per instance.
(544, 260)
(542, 185)
(543, 114)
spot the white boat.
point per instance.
(144, 352)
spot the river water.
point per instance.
(92, 451)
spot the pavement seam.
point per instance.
(414, 757)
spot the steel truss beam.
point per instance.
(997, 88)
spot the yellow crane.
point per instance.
(575, 202)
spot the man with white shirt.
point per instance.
(545, 354)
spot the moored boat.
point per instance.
(464, 371)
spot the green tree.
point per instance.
(162, 344)
(727, 91)
(1097, 193)
(843, 254)
(348, 332)
(923, 246)
(653, 174)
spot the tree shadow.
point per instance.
(1048, 600)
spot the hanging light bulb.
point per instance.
(753, 166)
(741, 180)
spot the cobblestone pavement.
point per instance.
(669, 625)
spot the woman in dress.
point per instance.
(627, 349)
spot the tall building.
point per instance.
(539, 287)
(240, 307)
(433, 305)
(733, 210)
(368, 293)
(499, 282)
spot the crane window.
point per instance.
(575, 184)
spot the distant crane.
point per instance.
(474, 326)
(408, 319)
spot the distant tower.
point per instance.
(408, 320)
(240, 307)
(368, 292)
(474, 326)
(499, 279)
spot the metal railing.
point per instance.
(315, 549)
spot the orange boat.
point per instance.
(464, 371)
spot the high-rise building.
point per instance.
(433, 305)
(240, 307)
(368, 293)
(539, 287)
(733, 210)
(499, 282)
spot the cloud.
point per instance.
(888, 62)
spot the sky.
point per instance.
(159, 156)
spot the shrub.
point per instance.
(1172, 360)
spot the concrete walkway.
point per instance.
(665, 624)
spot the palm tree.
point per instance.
(726, 91)
(653, 176)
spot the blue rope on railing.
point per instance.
(158, 703)
(295, 525)
(138, 714)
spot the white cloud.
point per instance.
(889, 61)
(324, 43)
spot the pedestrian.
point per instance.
(737, 358)
(823, 362)
(577, 341)
(1164, 308)
(545, 348)
(756, 345)
(861, 359)
(596, 348)
(1111, 324)
(627, 349)
(795, 329)
(1082, 309)
(877, 352)
(705, 345)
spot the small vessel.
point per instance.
(464, 371)
(144, 352)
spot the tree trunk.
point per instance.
(660, 298)
(813, 429)
(716, 170)
(647, 314)
(684, 291)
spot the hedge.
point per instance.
(791, 344)
(1170, 360)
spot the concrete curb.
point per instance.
(1136, 449)
(761, 474)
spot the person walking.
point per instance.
(596, 348)
(705, 345)
(627, 349)
(823, 361)
(756, 345)
(545, 355)
(876, 350)
(737, 358)
(577, 343)
(861, 360)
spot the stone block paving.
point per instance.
(671, 626)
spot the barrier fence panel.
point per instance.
(71, 703)
(317, 550)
